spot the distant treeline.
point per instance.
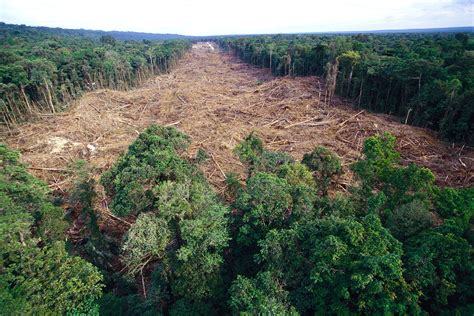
(426, 79)
(94, 34)
(43, 71)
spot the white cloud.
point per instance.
(238, 17)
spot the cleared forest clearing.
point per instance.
(218, 100)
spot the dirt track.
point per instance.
(217, 100)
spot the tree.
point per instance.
(25, 201)
(266, 203)
(394, 185)
(251, 152)
(262, 295)
(181, 226)
(439, 265)
(146, 240)
(43, 69)
(108, 39)
(51, 281)
(325, 166)
(38, 276)
(340, 266)
(389, 73)
(409, 219)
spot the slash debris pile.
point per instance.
(217, 101)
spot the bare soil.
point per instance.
(218, 100)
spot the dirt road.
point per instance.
(218, 100)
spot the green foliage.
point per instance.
(265, 203)
(425, 79)
(252, 153)
(181, 225)
(45, 69)
(107, 39)
(450, 202)
(146, 240)
(340, 266)
(250, 150)
(284, 249)
(330, 257)
(199, 260)
(151, 159)
(201, 156)
(296, 174)
(325, 166)
(25, 202)
(409, 219)
(262, 295)
(185, 307)
(380, 171)
(95, 247)
(380, 158)
(71, 282)
(37, 275)
(134, 304)
(440, 266)
(233, 185)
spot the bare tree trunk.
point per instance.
(49, 96)
(349, 81)
(331, 79)
(26, 99)
(271, 61)
(360, 92)
(7, 123)
(388, 93)
(419, 84)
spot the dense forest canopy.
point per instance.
(283, 242)
(426, 79)
(46, 70)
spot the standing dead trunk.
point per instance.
(349, 81)
(271, 61)
(331, 78)
(7, 123)
(50, 99)
(22, 89)
(360, 92)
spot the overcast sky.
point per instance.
(210, 17)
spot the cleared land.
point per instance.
(218, 100)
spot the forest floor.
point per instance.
(218, 100)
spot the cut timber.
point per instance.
(108, 213)
(172, 124)
(226, 100)
(50, 169)
(312, 124)
(350, 118)
(218, 166)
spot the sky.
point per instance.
(210, 17)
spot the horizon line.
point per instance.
(394, 30)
